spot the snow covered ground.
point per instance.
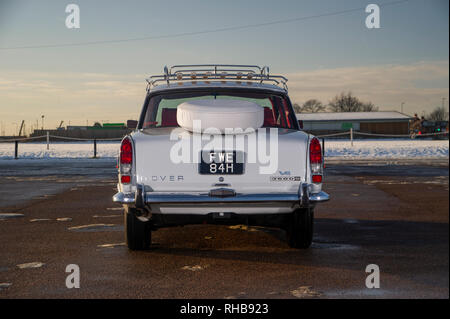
(386, 149)
(60, 150)
(362, 149)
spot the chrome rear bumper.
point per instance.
(149, 198)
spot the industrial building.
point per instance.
(394, 123)
(97, 131)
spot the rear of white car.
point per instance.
(274, 178)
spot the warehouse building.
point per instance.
(394, 123)
(97, 131)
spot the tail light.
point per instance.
(125, 160)
(316, 160)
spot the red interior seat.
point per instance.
(269, 119)
(169, 117)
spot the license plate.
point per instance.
(221, 163)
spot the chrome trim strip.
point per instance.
(319, 197)
(158, 198)
(192, 198)
(124, 198)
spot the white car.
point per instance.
(219, 144)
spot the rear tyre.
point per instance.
(137, 232)
(300, 228)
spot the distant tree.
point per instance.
(349, 103)
(438, 114)
(368, 107)
(297, 108)
(312, 106)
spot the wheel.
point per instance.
(137, 232)
(300, 228)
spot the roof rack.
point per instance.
(208, 73)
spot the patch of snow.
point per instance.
(305, 292)
(35, 264)
(39, 220)
(386, 149)
(60, 150)
(193, 268)
(361, 149)
(91, 227)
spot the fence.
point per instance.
(48, 136)
(351, 134)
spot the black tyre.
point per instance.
(300, 228)
(137, 232)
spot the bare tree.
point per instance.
(368, 107)
(297, 108)
(349, 103)
(438, 114)
(312, 106)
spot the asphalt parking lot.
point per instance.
(393, 214)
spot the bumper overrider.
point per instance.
(141, 199)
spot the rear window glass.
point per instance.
(161, 109)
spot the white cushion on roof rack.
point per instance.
(220, 114)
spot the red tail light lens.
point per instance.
(125, 179)
(315, 151)
(126, 152)
(317, 178)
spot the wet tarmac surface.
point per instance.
(395, 216)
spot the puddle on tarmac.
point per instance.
(4, 285)
(110, 245)
(96, 227)
(351, 221)
(106, 216)
(334, 246)
(10, 215)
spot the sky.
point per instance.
(323, 49)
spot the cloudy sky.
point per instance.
(323, 47)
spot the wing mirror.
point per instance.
(132, 124)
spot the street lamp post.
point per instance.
(403, 103)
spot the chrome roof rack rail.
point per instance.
(217, 73)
